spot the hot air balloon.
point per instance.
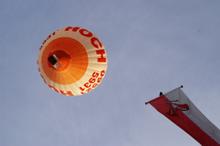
(72, 61)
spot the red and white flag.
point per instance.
(177, 107)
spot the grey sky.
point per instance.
(152, 45)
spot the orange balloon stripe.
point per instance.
(71, 47)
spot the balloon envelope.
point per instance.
(72, 61)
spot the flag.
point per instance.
(178, 108)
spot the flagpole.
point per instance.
(161, 94)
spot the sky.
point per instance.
(152, 46)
